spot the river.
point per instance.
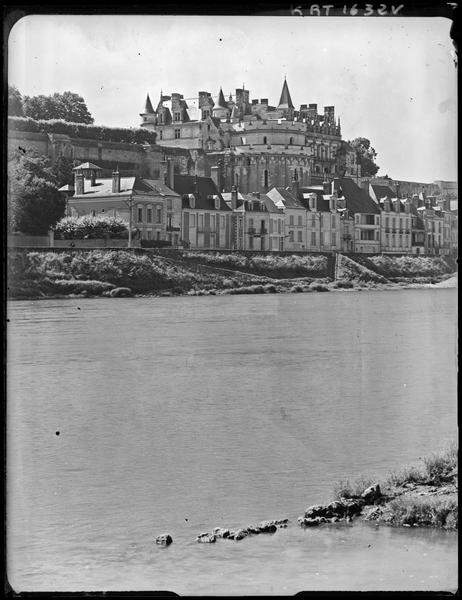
(131, 417)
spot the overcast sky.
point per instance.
(392, 80)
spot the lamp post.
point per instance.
(130, 222)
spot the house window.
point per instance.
(265, 140)
(200, 221)
(177, 134)
(313, 221)
(158, 235)
(271, 225)
(387, 221)
(158, 215)
(212, 222)
(300, 222)
(248, 162)
(205, 114)
(332, 239)
(313, 238)
(149, 214)
(265, 178)
(322, 238)
(291, 220)
(222, 221)
(192, 220)
(149, 234)
(169, 204)
(300, 236)
(369, 219)
(250, 223)
(291, 236)
(140, 214)
(280, 226)
(333, 221)
(291, 140)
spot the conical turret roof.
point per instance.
(148, 106)
(221, 103)
(285, 100)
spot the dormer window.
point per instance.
(177, 116)
(217, 202)
(192, 200)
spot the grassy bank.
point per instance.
(416, 496)
(33, 274)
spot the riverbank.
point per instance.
(116, 273)
(425, 496)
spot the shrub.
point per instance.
(87, 227)
(343, 283)
(406, 475)
(80, 130)
(297, 288)
(269, 288)
(439, 467)
(425, 512)
(318, 287)
(346, 489)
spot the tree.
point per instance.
(34, 203)
(68, 106)
(62, 170)
(15, 101)
(366, 156)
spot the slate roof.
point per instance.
(148, 106)
(383, 191)
(322, 203)
(128, 185)
(286, 196)
(103, 187)
(357, 199)
(66, 188)
(285, 100)
(221, 103)
(87, 165)
(202, 188)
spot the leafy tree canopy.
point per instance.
(15, 102)
(366, 155)
(68, 106)
(34, 203)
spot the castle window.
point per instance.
(291, 140)
(265, 178)
(265, 140)
(140, 214)
(177, 134)
(177, 116)
(158, 215)
(160, 133)
(205, 114)
(149, 214)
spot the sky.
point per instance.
(392, 80)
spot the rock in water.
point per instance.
(371, 494)
(164, 540)
(220, 532)
(206, 538)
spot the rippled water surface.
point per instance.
(132, 417)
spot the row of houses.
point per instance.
(190, 212)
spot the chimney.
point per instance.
(407, 206)
(336, 185)
(295, 186)
(233, 198)
(78, 183)
(116, 181)
(313, 202)
(163, 171)
(397, 206)
(215, 175)
(386, 205)
(170, 173)
(326, 188)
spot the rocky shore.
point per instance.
(415, 497)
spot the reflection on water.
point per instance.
(182, 414)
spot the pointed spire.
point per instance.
(148, 106)
(221, 100)
(285, 100)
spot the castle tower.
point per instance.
(285, 102)
(148, 115)
(221, 110)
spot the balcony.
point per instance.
(251, 231)
(263, 231)
(172, 228)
